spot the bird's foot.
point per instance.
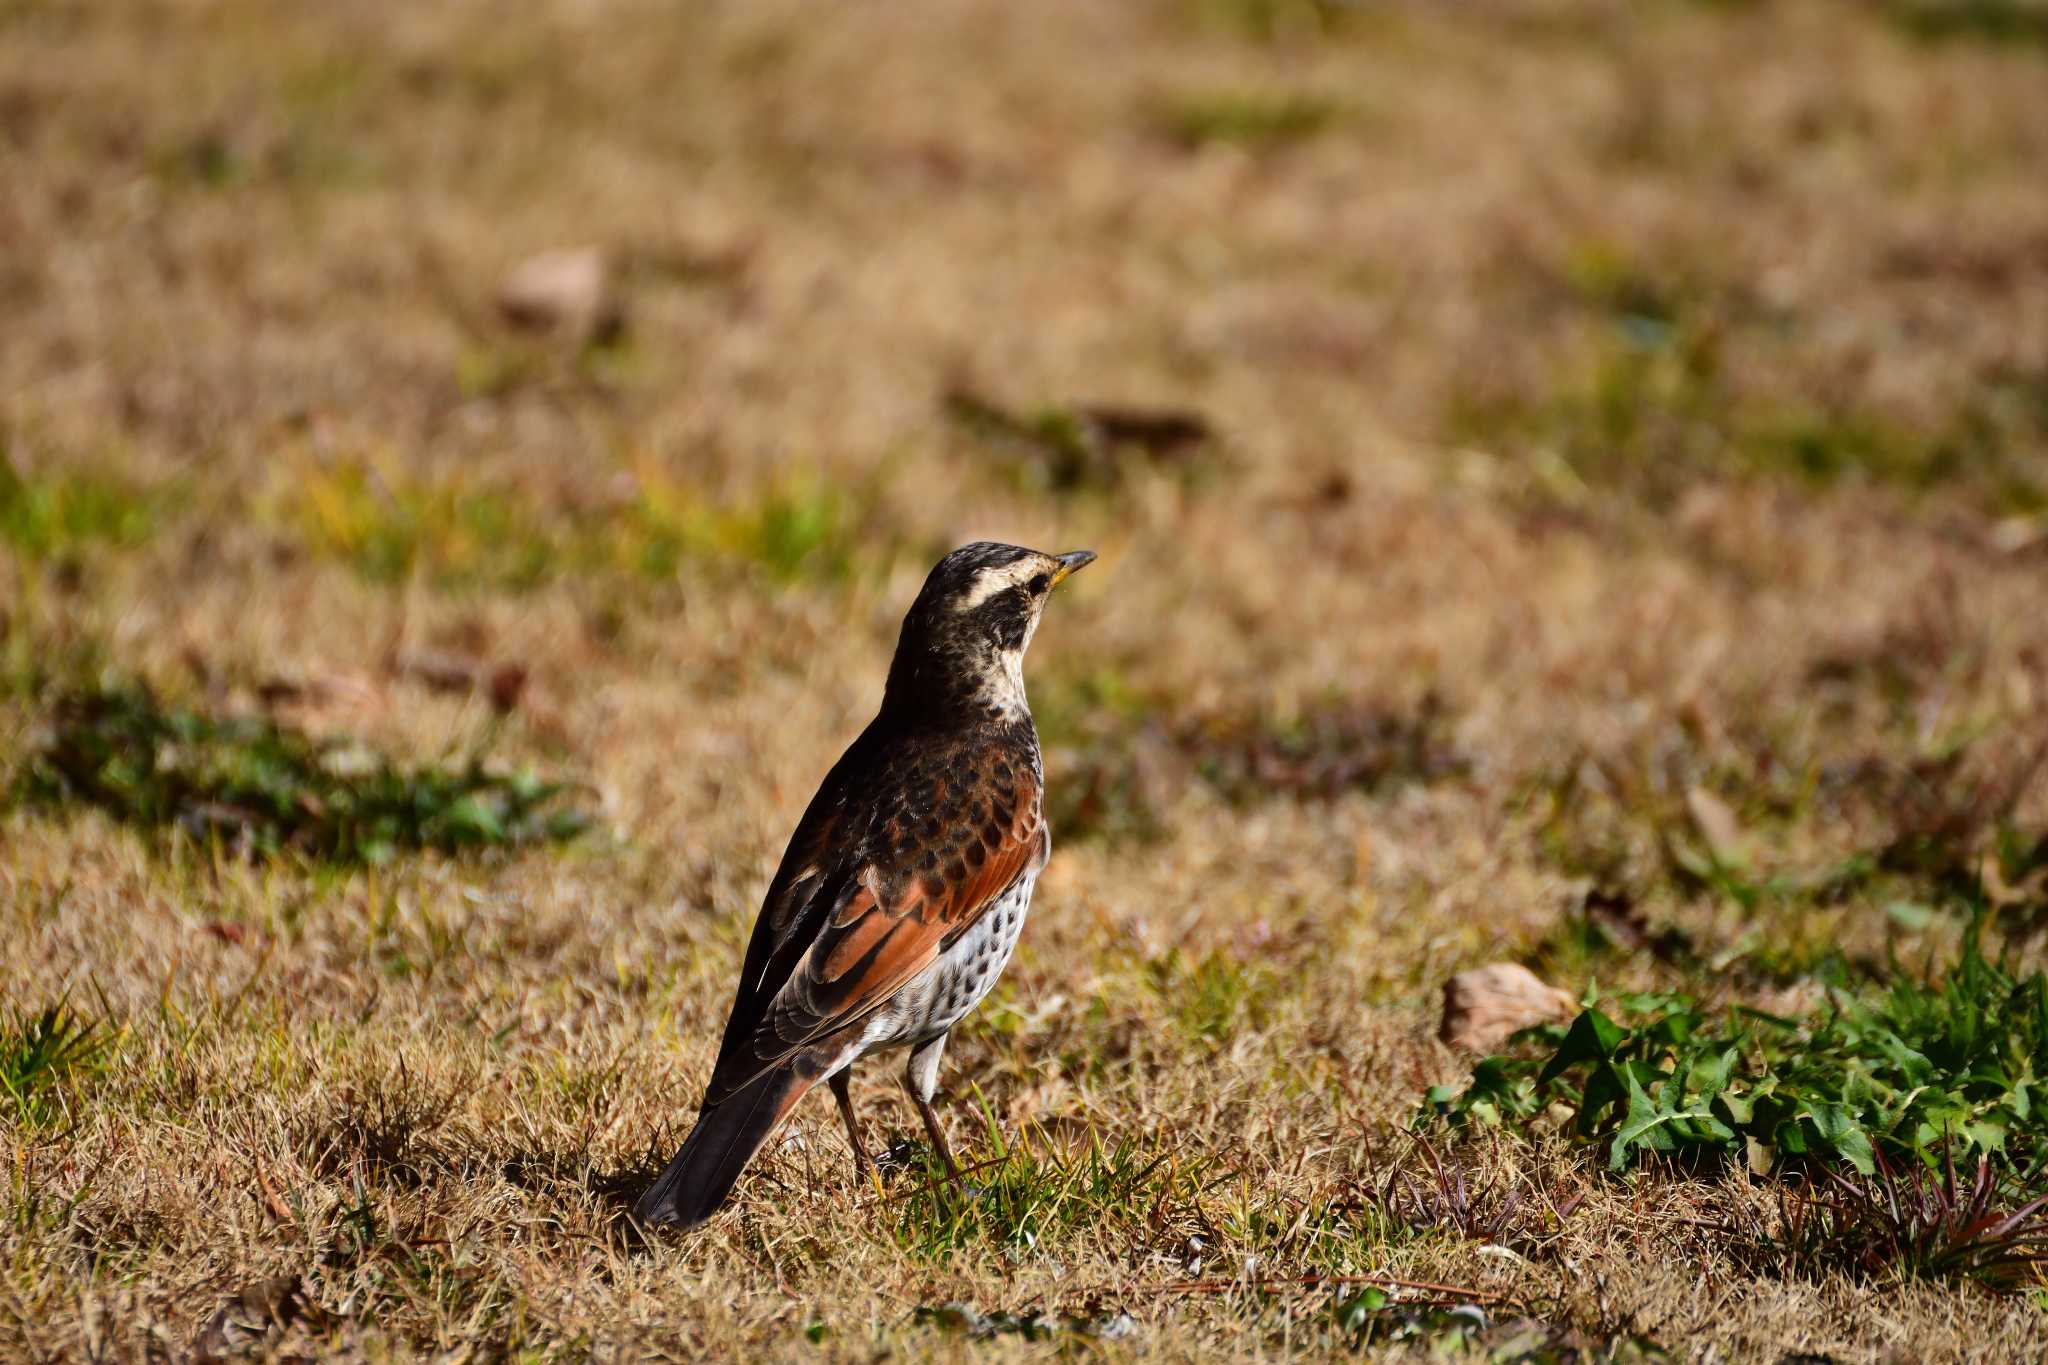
(905, 1156)
(900, 1156)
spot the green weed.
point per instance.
(1653, 818)
(1914, 1223)
(1605, 929)
(1416, 1323)
(265, 789)
(1913, 1070)
(1069, 708)
(1107, 791)
(1369, 1316)
(1643, 301)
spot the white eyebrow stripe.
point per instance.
(989, 582)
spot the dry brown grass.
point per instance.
(1662, 388)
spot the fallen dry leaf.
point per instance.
(502, 683)
(2029, 889)
(1718, 826)
(1486, 1004)
(271, 1199)
(567, 290)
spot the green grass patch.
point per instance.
(1261, 121)
(1028, 1194)
(2020, 22)
(60, 511)
(1210, 997)
(389, 529)
(38, 1053)
(455, 533)
(1270, 21)
(1106, 791)
(1754, 818)
(1034, 1195)
(1649, 406)
(1917, 1071)
(262, 789)
(1070, 708)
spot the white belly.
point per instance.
(943, 994)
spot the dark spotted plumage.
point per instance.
(904, 888)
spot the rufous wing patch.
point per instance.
(848, 949)
(892, 926)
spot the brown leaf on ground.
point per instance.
(567, 290)
(1718, 826)
(1086, 443)
(2029, 889)
(1486, 1004)
(272, 1200)
(455, 673)
(1163, 432)
(339, 697)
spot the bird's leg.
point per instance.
(842, 1092)
(921, 1078)
(938, 1137)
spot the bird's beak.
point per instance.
(1071, 561)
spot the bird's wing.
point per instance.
(848, 921)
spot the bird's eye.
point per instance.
(1038, 584)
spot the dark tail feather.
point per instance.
(718, 1149)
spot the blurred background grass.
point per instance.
(1512, 429)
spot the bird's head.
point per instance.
(963, 641)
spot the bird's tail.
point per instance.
(726, 1137)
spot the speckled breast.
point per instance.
(948, 990)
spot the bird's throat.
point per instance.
(967, 686)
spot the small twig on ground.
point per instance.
(277, 1206)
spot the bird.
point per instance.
(903, 891)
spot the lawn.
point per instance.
(1571, 480)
